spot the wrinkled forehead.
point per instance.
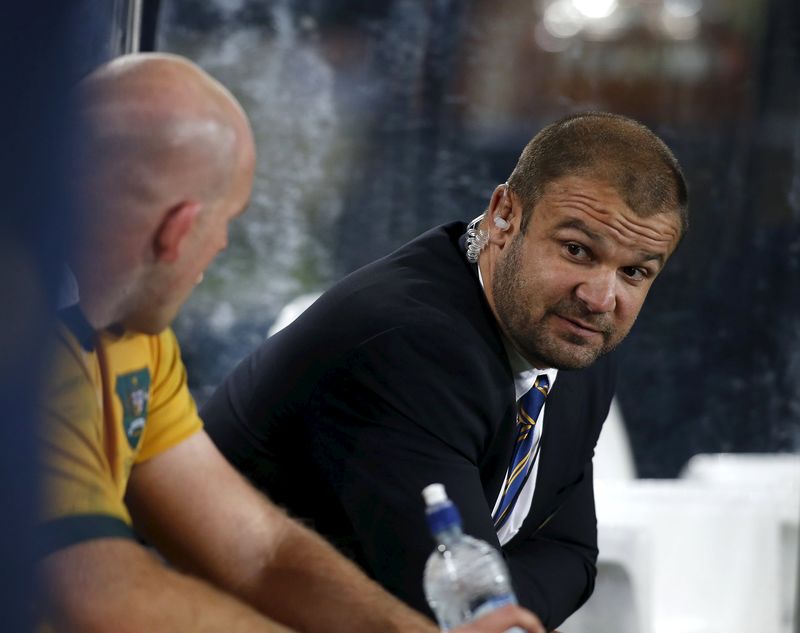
(644, 196)
(598, 209)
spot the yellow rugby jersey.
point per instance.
(115, 400)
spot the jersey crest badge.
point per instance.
(133, 390)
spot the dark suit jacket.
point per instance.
(397, 378)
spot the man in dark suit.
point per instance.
(418, 367)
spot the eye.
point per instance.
(635, 273)
(576, 251)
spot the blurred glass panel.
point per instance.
(376, 121)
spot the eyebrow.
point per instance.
(652, 257)
(580, 225)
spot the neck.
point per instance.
(98, 315)
(102, 294)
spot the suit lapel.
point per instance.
(498, 454)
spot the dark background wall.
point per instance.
(376, 121)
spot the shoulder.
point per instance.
(437, 341)
(431, 259)
(420, 307)
(156, 351)
(425, 381)
(426, 287)
(430, 366)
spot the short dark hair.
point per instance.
(609, 147)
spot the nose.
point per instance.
(598, 292)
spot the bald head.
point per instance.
(159, 129)
(168, 160)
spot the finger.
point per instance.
(502, 619)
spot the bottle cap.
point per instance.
(434, 494)
(440, 513)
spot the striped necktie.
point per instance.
(525, 452)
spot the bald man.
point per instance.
(169, 163)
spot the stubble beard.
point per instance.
(533, 338)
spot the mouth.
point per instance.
(579, 327)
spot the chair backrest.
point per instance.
(775, 476)
(714, 553)
(621, 602)
(613, 457)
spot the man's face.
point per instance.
(570, 288)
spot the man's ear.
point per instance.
(173, 229)
(499, 218)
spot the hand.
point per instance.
(503, 619)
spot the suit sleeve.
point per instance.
(554, 570)
(405, 410)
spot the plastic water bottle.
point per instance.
(464, 577)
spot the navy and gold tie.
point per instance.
(525, 452)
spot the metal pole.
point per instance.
(125, 27)
(133, 27)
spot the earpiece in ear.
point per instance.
(501, 223)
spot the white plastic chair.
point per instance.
(613, 458)
(292, 310)
(712, 553)
(621, 602)
(772, 476)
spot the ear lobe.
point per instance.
(173, 229)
